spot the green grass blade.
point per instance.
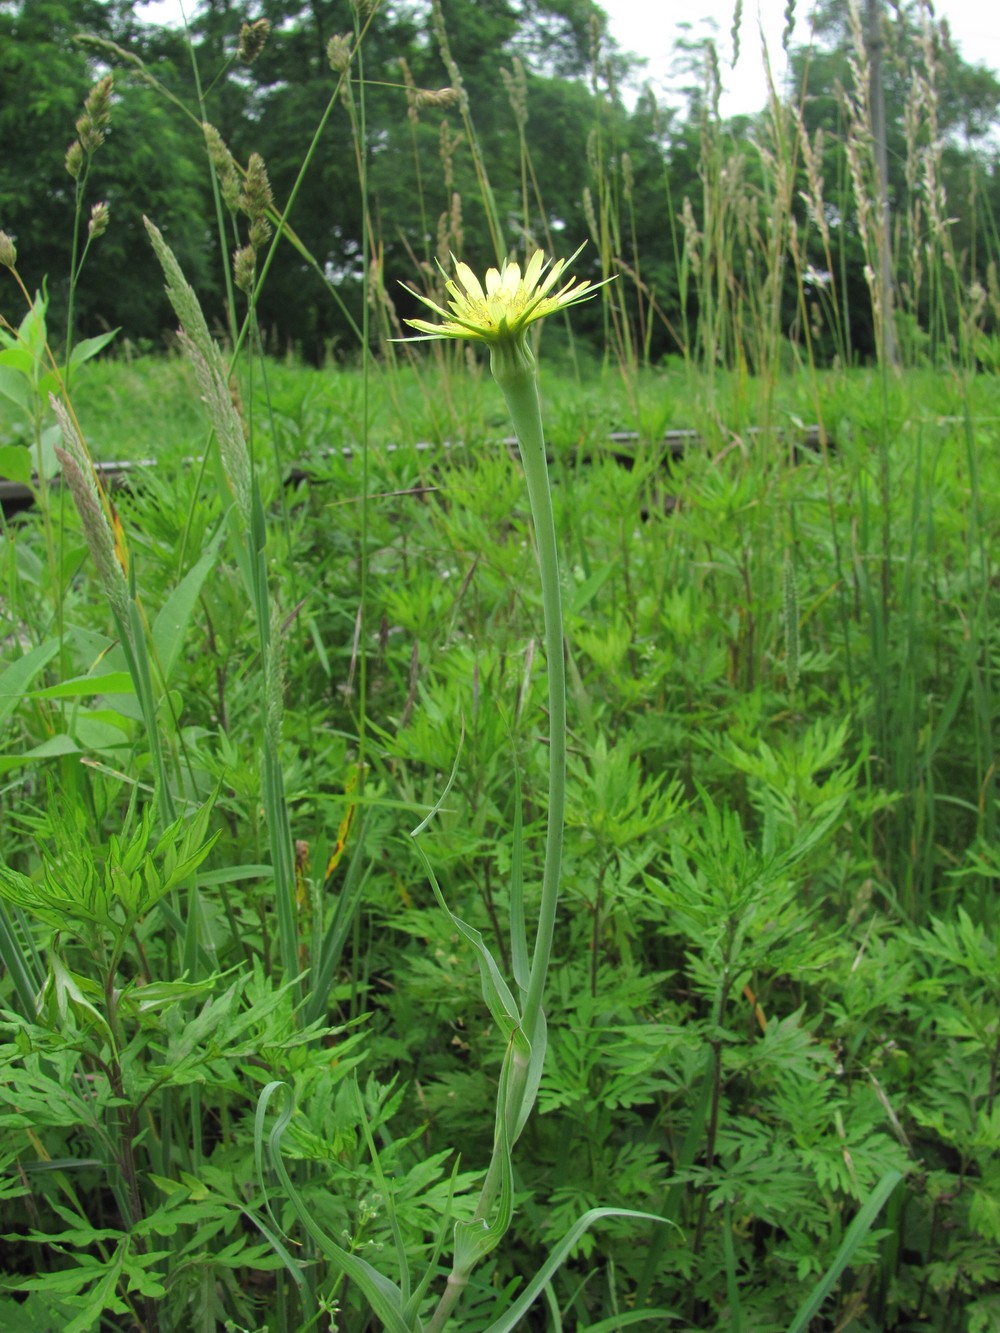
(382, 1295)
(511, 1317)
(20, 963)
(856, 1233)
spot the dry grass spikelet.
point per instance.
(692, 236)
(100, 216)
(591, 216)
(455, 223)
(444, 246)
(454, 73)
(515, 83)
(628, 176)
(96, 116)
(447, 143)
(412, 109)
(435, 98)
(256, 200)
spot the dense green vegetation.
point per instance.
(275, 727)
(538, 145)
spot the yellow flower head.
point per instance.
(499, 313)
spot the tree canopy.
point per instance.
(478, 126)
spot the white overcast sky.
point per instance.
(649, 28)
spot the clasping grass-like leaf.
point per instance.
(383, 1296)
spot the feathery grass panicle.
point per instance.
(210, 371)
(734, 31)
(788, 31)
(107, 553)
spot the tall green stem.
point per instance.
(514, 370)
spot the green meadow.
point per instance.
(404, 925)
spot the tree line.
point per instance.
(481, 127)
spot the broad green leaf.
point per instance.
(15, 463)
(89, 347)
(18, 676)
(114, 682)
(158, 994)
(54, 748)
(18, 362)
(170, 626)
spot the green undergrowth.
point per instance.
(775, 981)
(311, 408)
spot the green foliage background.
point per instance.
(250, 1074)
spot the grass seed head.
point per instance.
(100, 216)
(78, 472)
(244, 268)
(338, 53)
(253, 39)
(74, 159)
(225, 166)
(96, 116)
(256, 198)
(435, 98)
(8, 251)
